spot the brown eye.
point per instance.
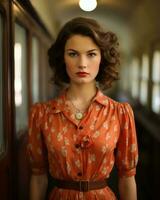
(72, 54)
(92, 54)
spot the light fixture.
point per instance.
(88, 5)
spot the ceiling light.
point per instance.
(88, 5)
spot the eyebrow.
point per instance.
(77, 51)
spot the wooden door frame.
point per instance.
(23, 15)
(7, 157)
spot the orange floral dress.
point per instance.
(86, 150)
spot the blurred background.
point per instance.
(27, 30)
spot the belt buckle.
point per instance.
(84, 186)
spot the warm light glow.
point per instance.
(156, 82)
(156, 99)
(144, 79)
(18, 79)
(156, 66)
(88, 5)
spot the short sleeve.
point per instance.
(36, 148)
(127, 148)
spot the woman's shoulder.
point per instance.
(43, 106)
(121, 107)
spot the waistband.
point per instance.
(82, 185)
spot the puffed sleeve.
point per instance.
(127, 148)
(36, 148)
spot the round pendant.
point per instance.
(79, 115)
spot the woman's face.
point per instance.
(82, 58)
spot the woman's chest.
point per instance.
(98, 135)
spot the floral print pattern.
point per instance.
(85, 150)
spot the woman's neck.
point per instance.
(82, 92)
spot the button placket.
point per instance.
(79, 174)
(80, 127)
(78, 132)
(77, 146)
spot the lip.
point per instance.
(82, 74)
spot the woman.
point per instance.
(82, 133)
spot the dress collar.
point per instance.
(59, 103)
(101, 98)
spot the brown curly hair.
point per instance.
(106, 41)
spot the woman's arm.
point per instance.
(127, 188)
(38, 187)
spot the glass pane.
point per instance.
(134, 77)
(35, 70)
(145, 67)
(144, 92)
(156, 98)
(156, 67)
(20, 79)
(1, 91)
(144, 79)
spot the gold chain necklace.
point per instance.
(79, 114)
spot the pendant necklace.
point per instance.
(79, 114)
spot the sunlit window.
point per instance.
(156, 98)
(156, 82)
(20, 79)
(134, 78)
(18, 72)
(156, 67)
(1, 90)
(144, 79)
(35, 70)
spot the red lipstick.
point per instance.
(82, 74)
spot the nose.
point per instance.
(82, 62)
(81, 67)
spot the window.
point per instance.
(134, 78)
(20, 79)
(1, 89)
(156, 82)
(144, 79)
(35, 70)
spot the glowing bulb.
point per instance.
(88, 5)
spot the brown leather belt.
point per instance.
(83, 186)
